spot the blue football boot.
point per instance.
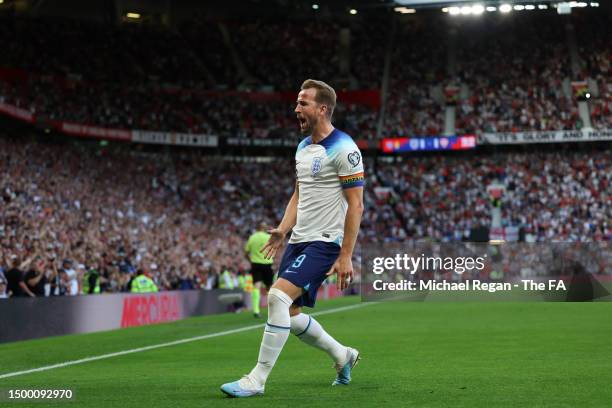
(245, 387)
(344, 370)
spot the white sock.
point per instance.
(275, 335)
(307, 329)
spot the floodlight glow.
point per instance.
(466, 10)
(478, 9)
(133, 15)
(353, 11)
(529, 7)
(581, 4)
(505, 8)
(445, 10)
(315, 6)
(491, 8)
(594, 4)
(565, 8)
(542, 6)
(404, 10)
(454, 11)
(519, 7)
(588, 95)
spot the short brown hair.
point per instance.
(325, 94)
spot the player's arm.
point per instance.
(290, 217)
(277, 235)
(351, 175)
(354, 198)
(344, 264)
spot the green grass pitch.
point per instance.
(414, 354)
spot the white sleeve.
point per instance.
(350, 167)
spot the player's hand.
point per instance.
(344, 268)
(277, 237)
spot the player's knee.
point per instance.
(278, 309)
(277, 298)
(299, 323)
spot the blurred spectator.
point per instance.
(70, 280)
(35, 278)
(91, 279)
(142, 283)
(16, 286)
(3, 291)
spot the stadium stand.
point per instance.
(550, 196)
(411, 107)
(159, 79)
(305, 48)
(183, 216)
(514, 75)
(186, 214)
(596, 66)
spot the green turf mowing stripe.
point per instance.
(167, 344)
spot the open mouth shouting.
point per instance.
(303, 123)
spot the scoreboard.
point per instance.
(431, 143)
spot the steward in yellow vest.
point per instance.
(143, 284)
(91, 282)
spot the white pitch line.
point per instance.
(168, 344)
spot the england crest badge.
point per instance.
(317, 164)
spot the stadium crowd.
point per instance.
(133, 76)
(515, 76)
(160, 215)
(597, 67)
(261, 43)
(601, 108)
(69, 211)
(412, 108)
(183, 218)
(104, 53)
(147, 109)
(550, 196)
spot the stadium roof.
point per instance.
(294, 9)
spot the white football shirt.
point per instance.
(323, 170)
